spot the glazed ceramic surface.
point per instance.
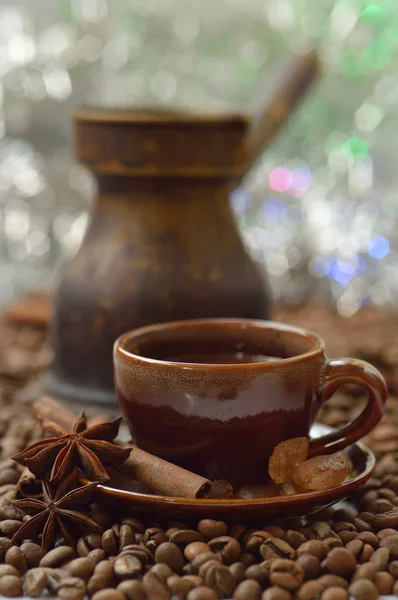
(223, 421)
(279, 507)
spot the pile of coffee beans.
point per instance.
(340, 553)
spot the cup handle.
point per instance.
(350, 370)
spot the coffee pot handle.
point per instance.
(280, 101)
(356, 372)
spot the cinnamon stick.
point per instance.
(160, 475)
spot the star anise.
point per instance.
(57, 513)
(90, 449)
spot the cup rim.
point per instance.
(120, 350)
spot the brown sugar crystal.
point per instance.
(285, 457)
(322, 472)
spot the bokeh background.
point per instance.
(320, 210)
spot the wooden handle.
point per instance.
(280, 103)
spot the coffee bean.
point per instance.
(276, 593)
(153, 537)
(333, 581)
(310, 565)
(127, 535)
(334, 593)
(57, 557)
(333, 542)
(8, 570)
(183, 537)
(384, 582)
(194, 579)
(220, 579)
(310, 590)
(201, 559)
(202, 593)
(108, 594)
(380, 559)
(315, 548)
(195, 549)
(365, 571)
(80, 567)
(260, 572)
(205, 566)
(322, 530)
(367, 537)
(35, 581)
(385, 532)
(33, 553)
(340, 561)
(155, 586)
(127, 567)
(238, 532)
(248, 590)
(212, 529)
(162, 571)
(5, 544)
(255, 540)
(110, 542)
(178, 586)
(98, 582)
(391, 542)
(133, 590)
(361, 525)
(294, 538)
(15, 558)
(170, 554)
(238, 570)
(96, 555)
(247, 559)
(10, 586)
(286, 574)
(275, 531)
(227, 548)
(380, 506)
(9, 527)
(276, 548)
(362, 589)
(71, 588)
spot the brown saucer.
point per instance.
(278, 507)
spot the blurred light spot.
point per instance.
(348, 304)
(379, 294)
(90, 48)
(240, 200)
(280, 14)
(280, 179)
(343, 18)
(293, 216)
(379, 247)
(21, 49)
(90, 10)
(277, 264)
(58, 84)
(301, 181)
(368, 116)
(274, 209)
(375, 14)
(164, 85)
(355, 149)
(360, 177)
(254, 52)
(186, 27)
(16, 224)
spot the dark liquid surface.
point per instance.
(220, 358)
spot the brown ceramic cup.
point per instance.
(216, 395)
